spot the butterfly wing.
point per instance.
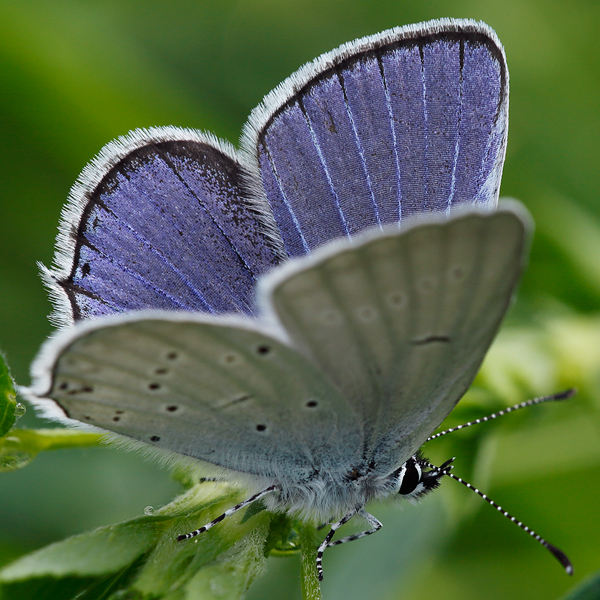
(402, 321)
(410, 120)
(215, 389)
(385, 335)
(157, 220)
(406, 122)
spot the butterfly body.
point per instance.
(327, 496)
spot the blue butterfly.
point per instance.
(305, 312)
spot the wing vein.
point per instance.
(458, 125)
(425, 130)
(137, 236)
(388, 101)
(286, 200)
(228, 240)
(359, 146)
(139, 277)
(317, 146)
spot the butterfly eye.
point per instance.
(411, 477)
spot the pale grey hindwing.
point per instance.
(229, 395)
(402, 322)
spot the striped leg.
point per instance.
(227, 513)
(370, 519)
(326, 542)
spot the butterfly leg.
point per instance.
(326, 542)
(227, 513)
(370, 519)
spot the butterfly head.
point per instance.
(413, 480)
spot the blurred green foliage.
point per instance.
(80, 567)
(76, 74)
(8, 402)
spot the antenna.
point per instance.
(448, 466)
(560, 396)
(556, 552)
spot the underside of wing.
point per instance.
(401, 321)
(215, 390)
(157, 221)
(410, 120)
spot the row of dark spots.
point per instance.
(260, 427)
(87, 389)
(309, 404)
(118, 413)
(170, 408)
(161, 371)
(115, 418)
(262, 350)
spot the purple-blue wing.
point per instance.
(410, 120)
(158, 221)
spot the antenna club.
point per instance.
(566, 394)
(562, 558)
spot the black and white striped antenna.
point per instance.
(447, 467)
(560, 396)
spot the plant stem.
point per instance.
(311, 588)
(35, 440)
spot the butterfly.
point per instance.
(306, 311)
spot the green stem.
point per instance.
(36, 440)
(311, 588)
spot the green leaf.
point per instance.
(588, 589)
(141, 559)
(282, 539)
(8, 402)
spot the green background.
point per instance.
(75, 74)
